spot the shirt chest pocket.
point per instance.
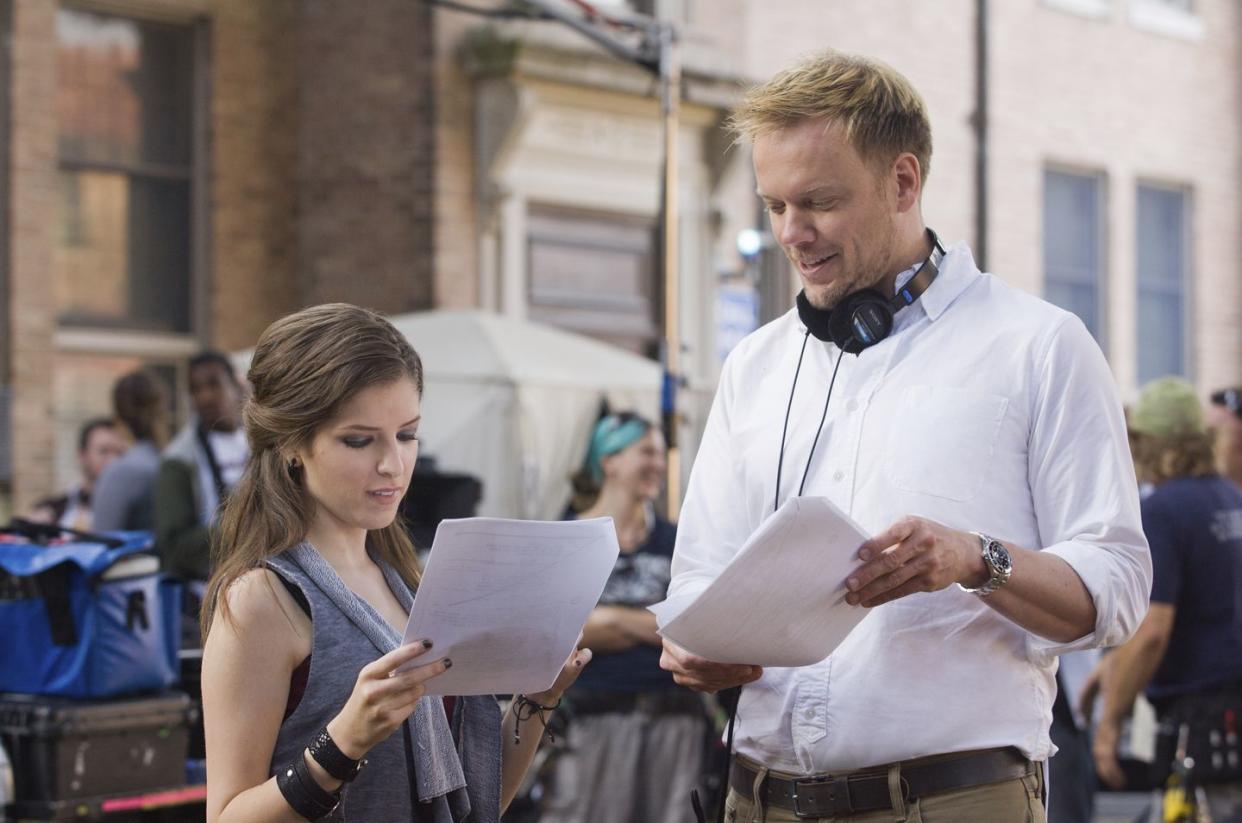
(942, 441)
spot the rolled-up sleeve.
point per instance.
(1084, 488)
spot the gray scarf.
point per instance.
(437, 762)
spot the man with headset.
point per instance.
(972, 429)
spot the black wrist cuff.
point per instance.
(334, 761)
(303, 794)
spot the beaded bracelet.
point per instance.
(303, 793)
(524, 709)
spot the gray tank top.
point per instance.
(386, 789)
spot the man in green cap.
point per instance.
(1187, 653)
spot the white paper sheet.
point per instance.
(781, 600)
(506, 599)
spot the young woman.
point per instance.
(306, 715)
(636, 740)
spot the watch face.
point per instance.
(998, 557)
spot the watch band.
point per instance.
(999, 574)
(334, 761)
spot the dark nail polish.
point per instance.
(448, 664)
(426, 644)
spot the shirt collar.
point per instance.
(957, 272)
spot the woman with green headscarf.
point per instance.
(636, 740)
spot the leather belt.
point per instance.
(826, 795)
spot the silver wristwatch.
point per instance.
(999, 564)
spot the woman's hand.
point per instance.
(382, 699)
(569, 673)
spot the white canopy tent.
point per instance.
(512, 402)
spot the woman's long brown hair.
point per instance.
(305, 368)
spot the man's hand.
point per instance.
(703, 675)
(1104, 750)
(1091, 690)
(914, 555)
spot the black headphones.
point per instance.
(858, 322)
(865, 317)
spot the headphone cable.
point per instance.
(780, 462)
(822, 418)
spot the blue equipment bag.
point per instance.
(87, 619)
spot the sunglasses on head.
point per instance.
(1229, 398)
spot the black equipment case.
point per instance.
(68, 753)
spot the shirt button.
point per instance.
(838, 475)
(809, 714)
(852, 405)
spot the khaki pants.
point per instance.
(1013, 801)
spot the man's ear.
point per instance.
(908, 179)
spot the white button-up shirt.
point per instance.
(987, 410)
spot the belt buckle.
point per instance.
(806, 805)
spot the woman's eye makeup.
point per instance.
(359, 441)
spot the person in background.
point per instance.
(124, 495)
(636, 741)
(1187, 653)
(98, 445)
(199, 467)
(1071, 771)
(1225, 416)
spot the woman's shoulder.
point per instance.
(259, 605)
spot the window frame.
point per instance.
(1103, 291)
(1187, 281)
(197, 173)
(1161, 17)
(1090, 9)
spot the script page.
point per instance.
(781, 600)
(506, 599)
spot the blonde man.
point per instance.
(972, 429)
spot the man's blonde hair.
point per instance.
(882, 113)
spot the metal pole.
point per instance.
(641, 56)
(981, 133)
(670, 110)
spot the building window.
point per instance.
(1073, 246)
(595, 274)
(125, 96)
(1162, 254)
(1091, 9)
(1171, 18)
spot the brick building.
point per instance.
(178, 173)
